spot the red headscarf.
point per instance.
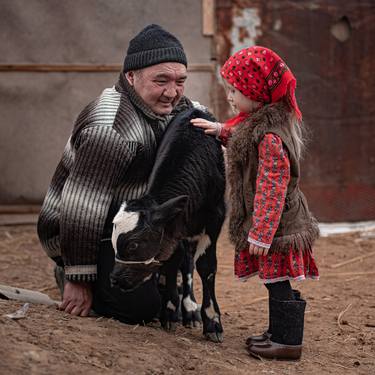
(261, 75)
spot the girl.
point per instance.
(270, 223)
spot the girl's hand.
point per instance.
(211, 128)
(257, 250)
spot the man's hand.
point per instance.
(212, 128)
(77, 299)
(257, 250)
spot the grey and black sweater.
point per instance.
(107, 160)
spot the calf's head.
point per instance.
(144, 236)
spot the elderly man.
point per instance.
(107, 161)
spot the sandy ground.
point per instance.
(48, 341)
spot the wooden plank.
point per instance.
(208, 17)
(84, 68)
(20, 209)
(335, 274)
(18, 219)
(25, 295)
(45, 68)
(353, 260)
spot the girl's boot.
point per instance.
(266, 335)
(287, 331)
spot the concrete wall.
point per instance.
(38, 109)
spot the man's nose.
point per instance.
(171, 91)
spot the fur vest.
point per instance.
(297, 228)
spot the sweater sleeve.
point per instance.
(225, 135)
(101, 157)
(271, 187)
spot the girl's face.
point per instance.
(239, 102)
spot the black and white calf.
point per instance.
(184, 200)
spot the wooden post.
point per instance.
(208, 17)
(84, 68)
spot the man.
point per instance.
(107, 161)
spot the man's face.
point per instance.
(160, 86)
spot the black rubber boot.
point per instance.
(266, 335)
(296, 294)
(288, 321)
(287, 331)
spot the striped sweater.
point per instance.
(107, 160)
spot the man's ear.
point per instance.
(130, 77)
(169, 210)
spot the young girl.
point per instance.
(270, 223)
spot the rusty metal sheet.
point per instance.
(329, 45)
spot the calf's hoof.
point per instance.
(193, 324)
(273, 350)
(192, 319)
(169, 317)
(214, 336)
(214, 331)
(169, 326)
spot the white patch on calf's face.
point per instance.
(123, 222)
(189, 304)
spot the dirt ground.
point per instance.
(339, 329)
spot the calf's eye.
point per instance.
(132, 246)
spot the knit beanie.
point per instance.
(153, 45)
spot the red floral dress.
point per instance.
(271, 186)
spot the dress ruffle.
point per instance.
(294, 265)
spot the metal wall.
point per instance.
(37, 109)
(330, 47)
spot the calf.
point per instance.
(184, 200)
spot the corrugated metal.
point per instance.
(330, 47)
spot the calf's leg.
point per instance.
(170, 297)
(206, 267)
(189, 307)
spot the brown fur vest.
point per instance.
(298, 228)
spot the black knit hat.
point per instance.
(153, 45)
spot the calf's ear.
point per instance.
(169, 210)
